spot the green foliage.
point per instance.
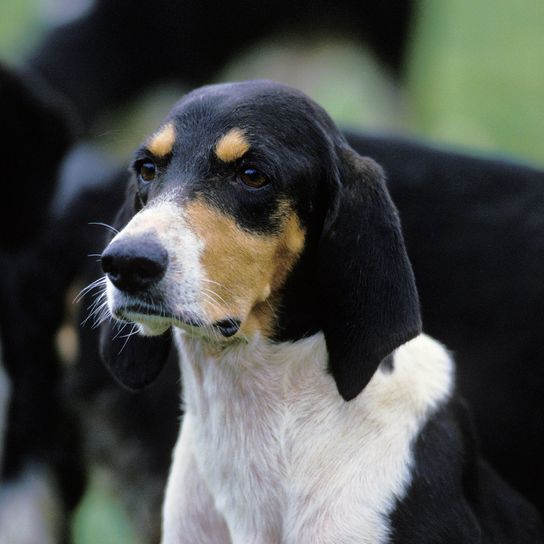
(100, 516)
(20, 27)
(476, 74)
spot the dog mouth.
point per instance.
(162, 318)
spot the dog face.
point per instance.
(225, 196)
(248, 215)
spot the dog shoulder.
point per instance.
(417, 378)
(453, 495)
(370, 442)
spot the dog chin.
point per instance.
(155, 325)
(148, 325)
(153, 329)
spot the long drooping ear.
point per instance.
(365, 278)
(134, 361)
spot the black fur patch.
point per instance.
(454, 496)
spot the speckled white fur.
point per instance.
(270, 450)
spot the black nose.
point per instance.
(135, 263)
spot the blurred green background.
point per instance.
(474, 79)
(474, 76)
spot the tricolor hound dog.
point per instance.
(316, 411)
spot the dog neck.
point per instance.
(256, 367)
(421, 370)
(266, 420)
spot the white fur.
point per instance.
(183, 281)
(268, 441)
(30, 510)
(5, 395)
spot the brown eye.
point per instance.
(253, 178)
(147, 171)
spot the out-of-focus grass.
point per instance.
(476, 74)
(100, 518)
(20, 28)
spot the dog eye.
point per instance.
(253, 178)
(147, 171)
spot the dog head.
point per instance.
(248, 214)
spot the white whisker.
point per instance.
(132, 332)
(109, 227)
(96, 283)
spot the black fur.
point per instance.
(455, 496)
(133, 362)
(365, 281)
(41, 432)
(38, 129)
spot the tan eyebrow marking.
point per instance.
(162, 142)
(232, 145)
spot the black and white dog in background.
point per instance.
(39, 463)
(260, 243)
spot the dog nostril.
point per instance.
(147, 268)
(135, 264)
(106, 261)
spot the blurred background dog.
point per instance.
(103, 73)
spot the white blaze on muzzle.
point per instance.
(178, 291)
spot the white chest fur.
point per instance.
(285, 458)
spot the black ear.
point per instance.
(365, 278)
(134, 362)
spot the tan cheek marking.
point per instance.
(232, 145)
(162, 142)
(245, 270)
(234, 261)
(289, 246)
